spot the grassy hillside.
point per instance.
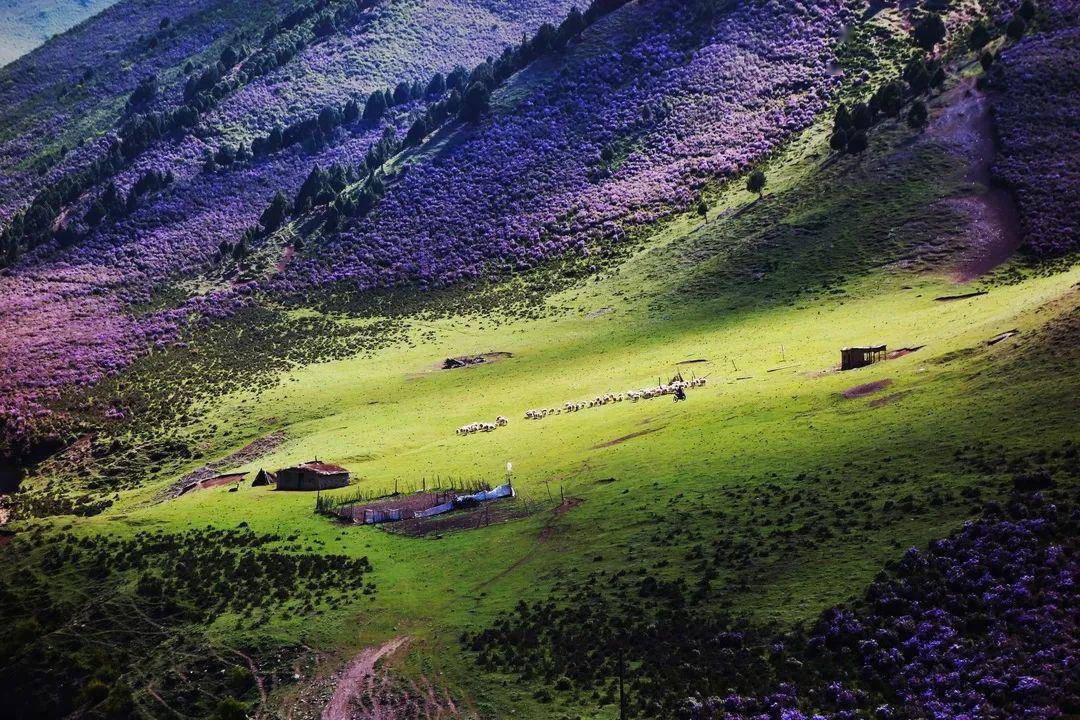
(698, 544)
(798, 480)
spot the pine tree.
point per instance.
(275, 212)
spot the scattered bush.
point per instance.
(929, 31)
(755, 183)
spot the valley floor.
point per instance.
(787, 481)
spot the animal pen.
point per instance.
(857, 357)
(413, 513)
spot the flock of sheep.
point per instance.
(646, 393)
(474, 427)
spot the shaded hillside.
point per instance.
(1038, 123)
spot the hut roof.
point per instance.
(319, 467)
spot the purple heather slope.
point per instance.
(1037, 114)
(983, 624)
(676, 105)
(677, 102)
(63, 316)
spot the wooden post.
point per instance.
(622, 680)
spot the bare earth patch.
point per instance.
(858, 391)
(461, 362)
(901, 352)
(366, 691)
(252, 451)
(992, 233)
(891, 398)
(1002, 336)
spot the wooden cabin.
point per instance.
(857, 357)
(313, 475)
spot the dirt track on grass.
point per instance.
(992, 233)
(359, 676)
(624, 438)
(545, 534)
(367, 690)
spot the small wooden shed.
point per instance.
(857, 357)
(313, 475)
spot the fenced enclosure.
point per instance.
(422, 511)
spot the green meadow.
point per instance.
(777, 444)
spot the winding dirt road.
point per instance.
(359, 674)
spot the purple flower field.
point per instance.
(402, 40)
(107, 60)
(984, 624)
(531, 183)
(1037, 116)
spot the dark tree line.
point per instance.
(202, 91)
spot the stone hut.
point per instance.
(313, 475)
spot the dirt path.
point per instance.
(358, 676)
(992, 234)
(286, 258)
(624, 438)
(545, 534)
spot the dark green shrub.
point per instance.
(979, 36)
(230, 709)
(475, 101)
(1016, 28)
(929, 31)
(857, 143)
(917, 116)
(756, 182)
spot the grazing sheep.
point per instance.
(482, 426)
(645, 393)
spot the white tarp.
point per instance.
(437, 510)
(502, 491)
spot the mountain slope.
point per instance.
(577, 212)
